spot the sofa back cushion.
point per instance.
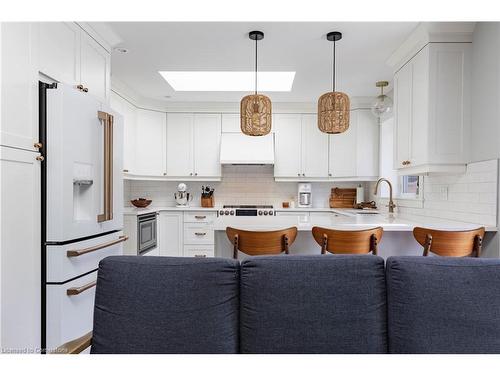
(313, 304)
(443, 305)
(166, 305)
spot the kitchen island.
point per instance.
(397, 238)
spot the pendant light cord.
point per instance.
(256, 65)
(333, 68)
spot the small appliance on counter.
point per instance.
(304, 195)
(182, 197)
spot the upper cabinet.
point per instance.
(68, 54)
(150, 132)
(353, 155)
(18, 86)
(432, 103)
(301, 150)
(193, 145)
(129, 113)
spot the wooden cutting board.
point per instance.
(342, 198)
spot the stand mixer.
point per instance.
(182, 197)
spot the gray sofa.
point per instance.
(297, 304)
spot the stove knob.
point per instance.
(271, 213)
(232, 212)
(260, 213)
(226, 212)
(265, 213)
(221, 212)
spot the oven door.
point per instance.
(146, 233)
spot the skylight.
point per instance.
(229, 81)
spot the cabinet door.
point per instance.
(402, 115)
(314, 148)
(288, 141)
(170, 241)
(95, 67)
(231, 123)
(59, 51)
(150, 143)
(19, 86)
(20, 244)
(342, 155)
(367, 144)
(206, 146)
(418, 144)
(180, 144)
(128, 111)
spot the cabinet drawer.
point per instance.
(198, 234)
(199, 251)
(70, 310)
(61, 267)
(199, 216)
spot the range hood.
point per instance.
(238, 148)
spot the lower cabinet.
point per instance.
(170, 230)
(199, 234)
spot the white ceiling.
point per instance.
(300, 47)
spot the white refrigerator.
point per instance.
(82, 200)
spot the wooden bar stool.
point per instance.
(450, 243)
(348, 241)
(261, 243)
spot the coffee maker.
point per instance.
(304, 195)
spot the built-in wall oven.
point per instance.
(146, 233)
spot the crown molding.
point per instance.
(430, 32)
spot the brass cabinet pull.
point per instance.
(107, 120)
(77, 290)
(85, 89)
(201, 233)
(200, 217)
(38, 145)
(125, 170)
(77, 253)
(79, 87)
(40, 158)
(200, 256)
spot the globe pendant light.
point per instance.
(255, 110)
(333, 107)
(382, 104)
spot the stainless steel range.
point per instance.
(247, 210)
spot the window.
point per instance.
(410, 186)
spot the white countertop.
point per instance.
(346, 219)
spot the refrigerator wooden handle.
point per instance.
(80, 289)
(107, 121)
(77, 253)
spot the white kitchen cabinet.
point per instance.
(353, 155)
(199, 234)
(314, 148)
(150, 143)
(20, 302)
(94, 67)
(288, 145)
(432, 110)
(129, 113)
(170, 229)
(19, 86)
(59, 51)
(206, 145)
(301, 150)
(68, 54)
(193, 145)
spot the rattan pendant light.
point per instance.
(255, 110)
(333, 107)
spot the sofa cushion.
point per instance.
(166, 305)
(313, 304)
(443, 305)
